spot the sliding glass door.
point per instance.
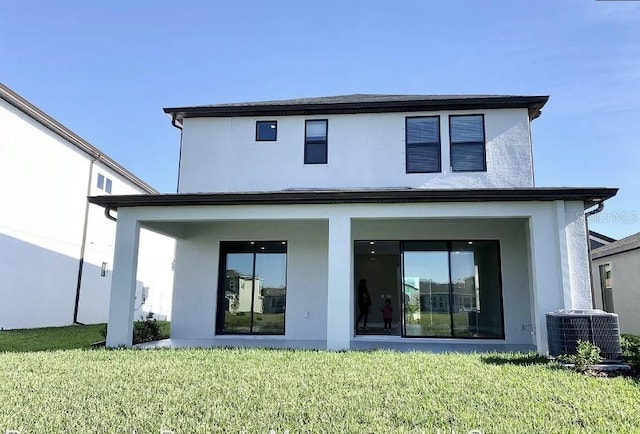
(452, 289)
(252, 288)
(426, 289)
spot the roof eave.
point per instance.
(534, 105)
(56, 127)
(589, 196)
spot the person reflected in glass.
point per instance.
(364, 303)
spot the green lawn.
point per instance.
(255, 391)
(50, 338)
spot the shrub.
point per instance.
(146, 330)
(586, 354)
(631, 351)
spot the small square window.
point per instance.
(107, 186)
(100, 181)
(266, 131)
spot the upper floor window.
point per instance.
(266, 131)
(423, 144)
(104, 183)
(315, 141)
(466, 133)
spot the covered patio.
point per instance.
(541, 235)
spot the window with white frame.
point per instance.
(103, 183)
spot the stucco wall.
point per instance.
(625, 278)
(364, 150)
(197, 262)
(196, 275)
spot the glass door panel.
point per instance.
(476, 289)
(426, 289)
(270, 293)
(238, 291)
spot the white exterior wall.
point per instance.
(196, 277)
(320, 257)
(364, 150)
(625, 280)
(43, 185)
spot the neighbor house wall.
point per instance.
(625, 280)
(364, 150)
(43, 184)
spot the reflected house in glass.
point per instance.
(283, 207)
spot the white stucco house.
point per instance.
(56, 249)
(430, 199)
(616, 281)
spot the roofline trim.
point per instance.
(612, 252)
(589, 196)
(56, 127)
(533, 103)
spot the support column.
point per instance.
(548, 294)
(340, 300)
(123, 281)
(561, 221)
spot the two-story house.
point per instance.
(56, 249)
(285, 206)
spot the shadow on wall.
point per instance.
(38, 287)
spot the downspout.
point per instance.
(586, 223)
(174, 123)
(84, 243)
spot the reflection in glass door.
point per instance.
(426, 289)
(452, 289)
(252, 288)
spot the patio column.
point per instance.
(339, 302)
(547, 278)
(123, 281)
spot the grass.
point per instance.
(257, 390)
(50, 338)
(58, 338)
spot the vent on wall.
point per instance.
(566, 327)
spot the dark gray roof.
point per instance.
(631, 242)
(599, 236)
(361, 103)
(48, 122)
(589, 196)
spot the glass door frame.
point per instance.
(449, 243)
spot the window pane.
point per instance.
(426, 289)
(423, 158)
(238, 290)
(252, 296)
(423, 130)
(100, 181)
(468, 157)
(107, 187)
(466, 128)
(271, 291)
(317, 130)
(477, 295)
(266, 130)
(315, 153)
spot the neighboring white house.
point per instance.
(56, 249)
(431, 199)
(616, 281)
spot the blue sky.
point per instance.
(105, 69)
